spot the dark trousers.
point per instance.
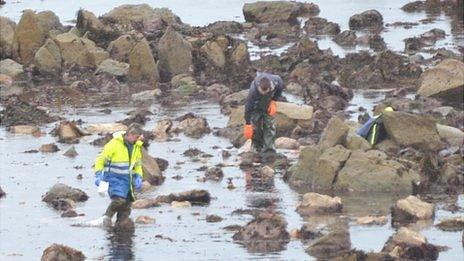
(121, 206)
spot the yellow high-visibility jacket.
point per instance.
(119, 167)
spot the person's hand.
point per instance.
(272, 108)
(98, 177)
(248, 131)
(137, 182)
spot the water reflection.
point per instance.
(120, 247)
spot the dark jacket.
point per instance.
(258, 102)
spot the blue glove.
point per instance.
(138, 182)
(98, 177)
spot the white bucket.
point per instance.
(103, 188)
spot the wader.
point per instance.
(264, 129)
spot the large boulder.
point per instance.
(140, 17)
(271, 12)
(57, 252)
(194, 127)
(445, 81)
(334, 133)
(314, 203)
(412, 209)
(174, 53)
(142, 65)
(31, 33)
(454, 136)
(68, 132)
(88, 23)
(372, 171)
(121, 48)
(267, 232)
(11, 68)
(63, 191)
(336, 243)
(319, 169)
(151, 170)
(412, 130)
(407, 244)
(366, 19)
(385, 69)
(48, 58)
(114, 68)
(7, 31)
(320, 26)
(215, 53)
(80, 51)
(303, 171)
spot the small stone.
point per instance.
(314, 203)
(213, 218)
(2, 193)
(144, 203)
(24, 129)
(181, 204)
(286, 143)
(61, 252)
(372, 220)
(214, 173)
(49, 148)
(71, 152)
(452, 224)
(145, 220)
(79, 176)
(225, 154)
(266, 172)
(295, 233)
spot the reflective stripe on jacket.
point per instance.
(119, 167)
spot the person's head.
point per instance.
(264, 85)
(134, 132)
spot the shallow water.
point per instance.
(27, 221)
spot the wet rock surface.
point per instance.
(61, 252)
(452, 224)
(335, 243)
(214, 173)
(313, 203)
(60, 190)
(18, 112)
(267, 232)
(443, 81)
(196, 197)
(408, 244)
(412, 209)
(366, 19)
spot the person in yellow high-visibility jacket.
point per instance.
(120, 164)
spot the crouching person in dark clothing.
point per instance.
(120, 164)
(260, 110)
